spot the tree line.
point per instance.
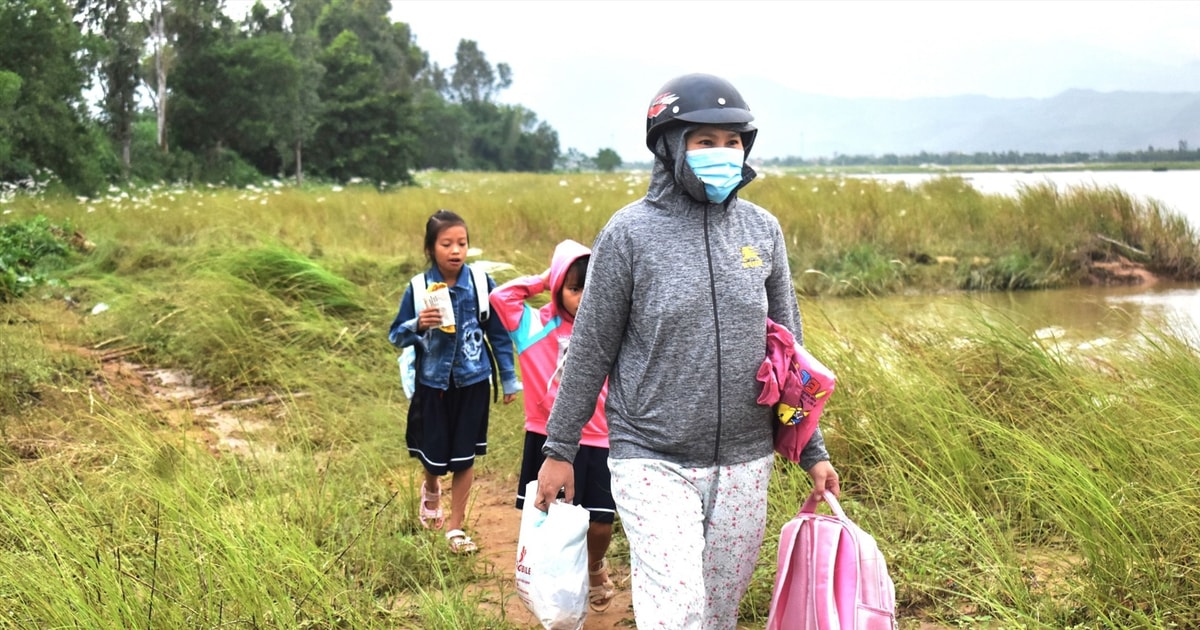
(179, 91)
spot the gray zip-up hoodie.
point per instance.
(674, 315)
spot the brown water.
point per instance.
(1077, 316)
(1083, 314)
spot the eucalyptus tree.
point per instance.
(537, 145)
(368, 125)
(607, 160)
(487, 133)
(389, 44)
(536, 142)
(304, 109)
(506, 137)
(474, 129)
(206, 105)
(233, 89)
(283, 86)
(473, 79)
(365, 131)
(10, 89)
(116, 43)
(442, 141)
(158, 63)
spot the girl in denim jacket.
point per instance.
(448, 414)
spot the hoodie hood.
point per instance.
(565, 253)
(542, 337)
(672, 174)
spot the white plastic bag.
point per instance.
(551, 571)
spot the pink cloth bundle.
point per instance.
(797, 385)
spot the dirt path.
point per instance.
(229, 427)
(495, 524)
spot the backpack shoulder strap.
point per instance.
(483, 309)
(479, 277)
(418, 286)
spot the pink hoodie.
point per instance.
(541, 337)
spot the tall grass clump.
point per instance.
(943, 234)
(294, 278)
(1143, 232)
(1016, 481)
(237, 317)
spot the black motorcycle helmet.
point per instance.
(699, 99)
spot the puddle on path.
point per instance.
(225, 426)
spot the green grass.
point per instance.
(1011, 482)
(983, 459)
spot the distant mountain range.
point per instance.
(808, 125)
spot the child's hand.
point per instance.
(508, 398)
(429, 318)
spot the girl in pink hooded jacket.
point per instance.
(541, 336)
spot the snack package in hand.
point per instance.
(438, 296)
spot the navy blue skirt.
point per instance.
(447, 429)
(593, 484)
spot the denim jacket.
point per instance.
(457, 358)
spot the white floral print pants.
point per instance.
(694, 537)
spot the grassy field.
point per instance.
(1010, 484)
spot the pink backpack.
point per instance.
(831, 575)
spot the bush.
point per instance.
(25, 248)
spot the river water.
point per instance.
(1084, 313)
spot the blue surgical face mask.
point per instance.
(719, 168)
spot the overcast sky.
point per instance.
(589, 68)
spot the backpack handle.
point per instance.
(810, 505)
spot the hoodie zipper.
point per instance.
(712, 288)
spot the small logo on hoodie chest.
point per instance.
(750, 257)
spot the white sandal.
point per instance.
(460, 543)
(600, 597)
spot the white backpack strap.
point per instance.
(479, 277)
(408, 356)
(418, 287)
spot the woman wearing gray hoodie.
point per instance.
(674, 315)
